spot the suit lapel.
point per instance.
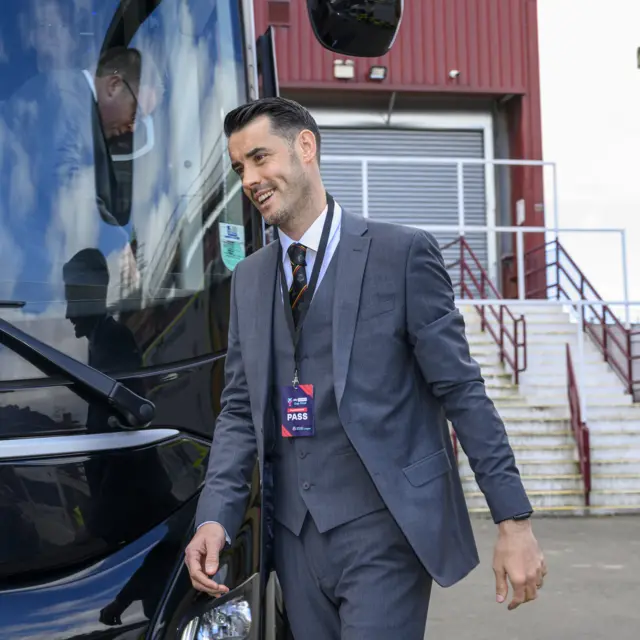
(353, 251)
(261, 298)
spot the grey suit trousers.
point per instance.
(359, 581)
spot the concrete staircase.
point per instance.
(536, 414)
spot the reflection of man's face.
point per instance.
(50, 34)
(84, 305)
(122, 104)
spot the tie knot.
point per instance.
(297, 254)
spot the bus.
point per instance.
(121, 223)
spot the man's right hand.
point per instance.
(202, 557)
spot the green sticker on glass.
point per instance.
(231, 244)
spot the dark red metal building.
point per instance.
(453, 61)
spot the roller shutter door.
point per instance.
(409, 193)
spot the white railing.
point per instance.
(491, 229)
(459, 163)
(490, 164)
(520, 252)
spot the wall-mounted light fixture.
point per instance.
(377, 73)
(344, 69)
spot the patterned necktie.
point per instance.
(297, 256)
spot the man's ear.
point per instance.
(307, 146)
(113, 85)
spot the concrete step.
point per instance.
(614, 466)
(524, 411)
(554, 396)
(552, 338)
(541, 440)
(616, 481)
(496, 392)
(624, 451)
(538, 427)
(507, 401)
(607, 389)
(548, 320)
(599, 398)
(557, 365)
(562, 467)
(481, 339)
(607, 497)
(497, 376)
(538, 499)
(615, 426)
(568, 510)
(594, 376)
(551, 453)
(558, 338)
(561, 322)
(535, 312)
(484, 350)
(555, 352)
(568, 482)
(521, 410)
(626, 412)
(610, 438)
(491, 364)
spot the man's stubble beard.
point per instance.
(290, 212)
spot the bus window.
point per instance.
(120, 219)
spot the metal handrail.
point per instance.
(579, 428)
(517, 338)
(603, 321)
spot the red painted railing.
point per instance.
(494, 321)
(473, 273)
(612, 338)
(579, 428)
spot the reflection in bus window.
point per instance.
(114, 143)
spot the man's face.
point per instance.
(273, 171)
(122, 104)
(83, 307)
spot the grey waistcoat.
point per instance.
(323, 474)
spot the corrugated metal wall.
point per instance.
(487, 40)
(494, 45)
(409, 193)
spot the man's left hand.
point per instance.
(518, 556)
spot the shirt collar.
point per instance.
(311, 237)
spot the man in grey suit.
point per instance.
(346, 356)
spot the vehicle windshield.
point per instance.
(120, 219)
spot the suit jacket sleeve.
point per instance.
(234, 450)
(436, 330)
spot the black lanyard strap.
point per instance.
(307, 297)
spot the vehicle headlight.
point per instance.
(234, 617)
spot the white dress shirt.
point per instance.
(311, 240)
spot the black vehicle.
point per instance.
(117, 245)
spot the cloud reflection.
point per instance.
(199, 62)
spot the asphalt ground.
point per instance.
(592, 590)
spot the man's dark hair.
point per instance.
(288, 118)
(127, 63)
(121, 61)
(87, 267)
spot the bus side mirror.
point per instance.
(359, 28)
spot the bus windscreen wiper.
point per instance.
(137, 411)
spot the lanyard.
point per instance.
(305, 302)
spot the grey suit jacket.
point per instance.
(401, 368)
